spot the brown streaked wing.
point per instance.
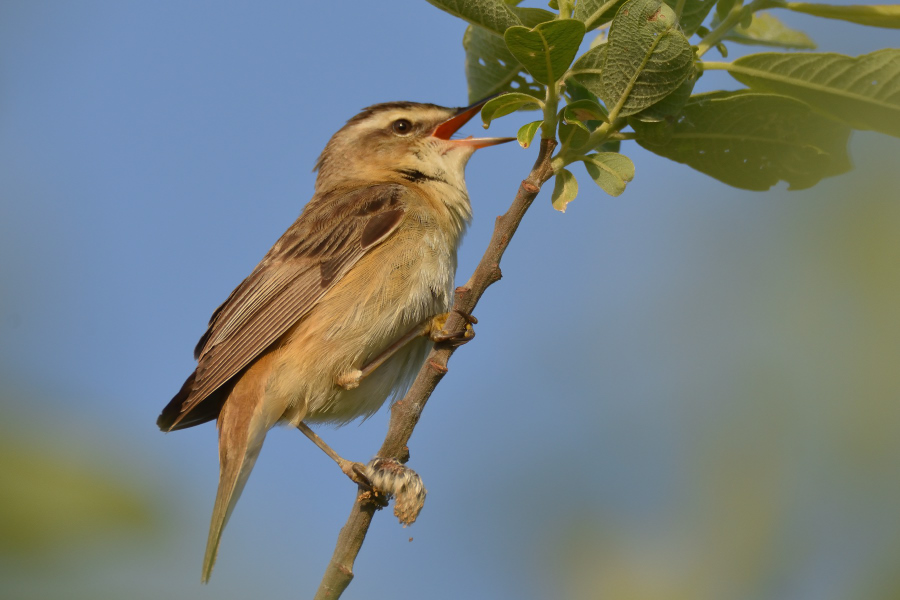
(333, 233)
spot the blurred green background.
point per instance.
(687, 392)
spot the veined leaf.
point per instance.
(588, 69)
(610, 170)
(863, 92)
(767, 30)
(571, 135)
(548, 49)
(595, 13)
(693, 13)
(504, 105)
(670, 107)
(526, 133)
(491, 69)
(494, 15)
(647, 57)
(751, 140)
(564, 190)
(874, 16)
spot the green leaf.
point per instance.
(595, 13)
(564, 190)
(693, 14)
(610, 170)
(584, 111)
(527, 132)
(572, 136)
(532, 17)
(548, 49)
(504, 105)
(491, 69)
(863, 92)
(647, 57)
(494, 15)
(726, 6)
(670, 107)
(767, 30)
(588, 69)
(751, 140)
(874, 16)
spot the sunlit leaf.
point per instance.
(548, 49)
(493, 15)
(647, 57)
(767, 30)
(504, 105)
(610, 170)
(670, 107)
(751, 140)
(526, 133)
(491, 69)
(872, 15)
(564, 190)
(863, 92)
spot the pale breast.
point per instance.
(395, 287)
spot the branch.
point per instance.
(406, 412)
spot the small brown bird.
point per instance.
(341, 312)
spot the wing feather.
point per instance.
(333, 233)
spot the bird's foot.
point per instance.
(392, 478)
(357, 472)
(438, 335)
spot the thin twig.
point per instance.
(406, 412)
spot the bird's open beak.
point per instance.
(462, 116)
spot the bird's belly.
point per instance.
(385, 295)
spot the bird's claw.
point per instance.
(437, 333)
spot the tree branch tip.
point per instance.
(530, 187)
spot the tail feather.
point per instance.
(243, 424)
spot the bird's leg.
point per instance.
(432, 328)
(354, 470)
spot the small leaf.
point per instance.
(564, 190)
(527, 132)
(572, 136)
(504, 105)
(584, 111)
(548, 49)
(751, 140)
(647, 57)
(863, 92)
(595, 13)
(610, 170)
(491, 69)
(532, 17)
(588, 69)
(874, 16)
(724, 7)
(553, 4)
(494, 15)
(767, 30)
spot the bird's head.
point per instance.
(399, 141)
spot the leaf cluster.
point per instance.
(791, 123)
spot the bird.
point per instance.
(342, 310)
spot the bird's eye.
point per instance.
(402, 127)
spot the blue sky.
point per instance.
(636, 349)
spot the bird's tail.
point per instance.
(243, 424)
